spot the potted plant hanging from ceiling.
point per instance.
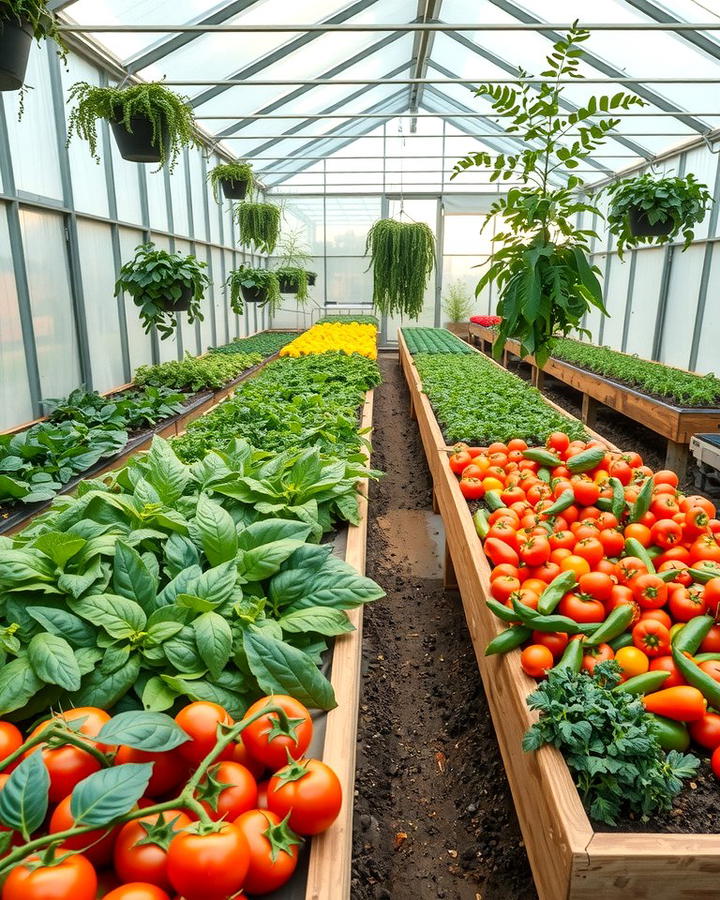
(248, 285)
(292, 271)
(163, 284)
(649, 210)
(235, 179)
(259, 225)
(403, 256)
(541, 265)
(20, 22)
(151, 124)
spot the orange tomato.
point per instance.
(632, 661)
(536, 660)
(578, 564)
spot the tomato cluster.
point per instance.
(261, 793)
(631, 537)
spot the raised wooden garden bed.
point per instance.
(674, 423)
(569, 860)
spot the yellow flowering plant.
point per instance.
(327, 337)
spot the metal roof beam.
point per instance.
(701, 41)
(161, 48)
(602, 65)
(427, 10)
(57, 5)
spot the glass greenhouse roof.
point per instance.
(345, 104)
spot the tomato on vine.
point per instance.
(265, 740)
(208, 865)
(273, 850)
(310, 792)
(72, 878)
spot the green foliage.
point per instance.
(311, 401)
(478, 402)
(608, 743)
(82, 429)
(141, 574)
(403, 256)
(457, 304)
(168, 113)
(293, 251)
(545, 280)
(348, 320)
(433, 340)
(259, 225)
(674, 385)
(295, 278)
(156, 279)
(235, 172)
(41, 19)
(262, 279)
(266, 343)
(682, 202)
(197, 373)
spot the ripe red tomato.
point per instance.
(613, 542)
(10, 739)
(137, 890)
(711, 643)
(667, 664)
(271, 749)
(504, 570)
(711, 667)
(640, 533)
(652, 637)
(586, 492)
(499, 552)
(96, 845)
(650, 591)
(271, 864)
(135, 860)
(664, 506)
(712, 595)
(67, 766)
(200, 721)
(502, 587)
(557, 441)
(208, 866)
(590, 549)
(169, 768)
(597, 584)
(72, 879)
(555, 641)
(686, 603)
(581, 608)
(704, 548)
(696, 522)
(228, 791)
(310, 791)
(706, 731)
(629, 568)
(472, 488)
(458, 459)
(622, 471)
(666, 533)
(595, 655)
(715, 762)
(562, 539)
(694, 500)
(535, 551)
(659, 615)
(546, 572)
(666, 476)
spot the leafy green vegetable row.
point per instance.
(478, 402)
(82, 429)
(309, 401)
(197, 373)
(433, 340)
(683, 388)
(348, 320)
(265, 344)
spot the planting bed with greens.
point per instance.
(197, 373)
(265, 344)
(433, 340)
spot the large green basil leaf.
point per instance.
(59, 547)
(264, 561)
(150, 731)
(215, 530)
(24, 797)
(165, 472)
(53, 661)
(18, 683)
(104, 796)
(282, 669)
(337, 585)
(318, 619)
(180, 584)
(99, 689)
(216, 585)
(214, 641)
(270, 530)
(234, 703)
(182, 652)
(180, 553)
(77, 585)
(120, 617)
(157, 695)
(64, 624)
(20, 565)
(131, 577)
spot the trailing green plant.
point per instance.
(42, 20)
(674, 385)
(197, 373)
(478, 402)
(171, 117)
(265, 344)
(680, 203)
(457, 304)
(608, 742)
(295, 278)
(403, 256)
(293, 261)
(433, 340)
(254, 279)
(259, 225)
(234, 172)
(542, 270)
(156, 280)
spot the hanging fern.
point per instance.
(403, 256)
(161, 107)
(259, 225)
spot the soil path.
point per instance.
(433, 811)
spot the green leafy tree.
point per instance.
(541, 267)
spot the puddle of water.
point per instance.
(416, 537)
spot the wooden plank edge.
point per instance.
(330, 864)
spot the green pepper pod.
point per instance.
(670, 735)
(572, 656)
(566, 499)
(544, 474)
(615, 624)
(508, 640)
(538, 622)
(692, 634)
(586, 460)
(604, 504)
(482, 526)
(543, 456)
(642, 504)
(555, 591)
(622, 640)
(694, 675)
(706, 657)
(643, 684)
(668, 575)
(617, 505)
(493, 500)
(633, 547)
(501, 611)
(702, 576)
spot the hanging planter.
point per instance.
(248, 285)
(311, 278)
(259, 225)
(20, 22)
(150, 123)
(234, 179)
(403, 256)
(293, 280)
(163, 284)
(649, 210)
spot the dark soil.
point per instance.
(433, 812)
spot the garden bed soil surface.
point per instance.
(434, 816)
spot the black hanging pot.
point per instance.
(640, 225)
(254, 294)
(233, 190)
(288, 286)
(15, 41)
(137, 145)
(312, 278)
(182, 304)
